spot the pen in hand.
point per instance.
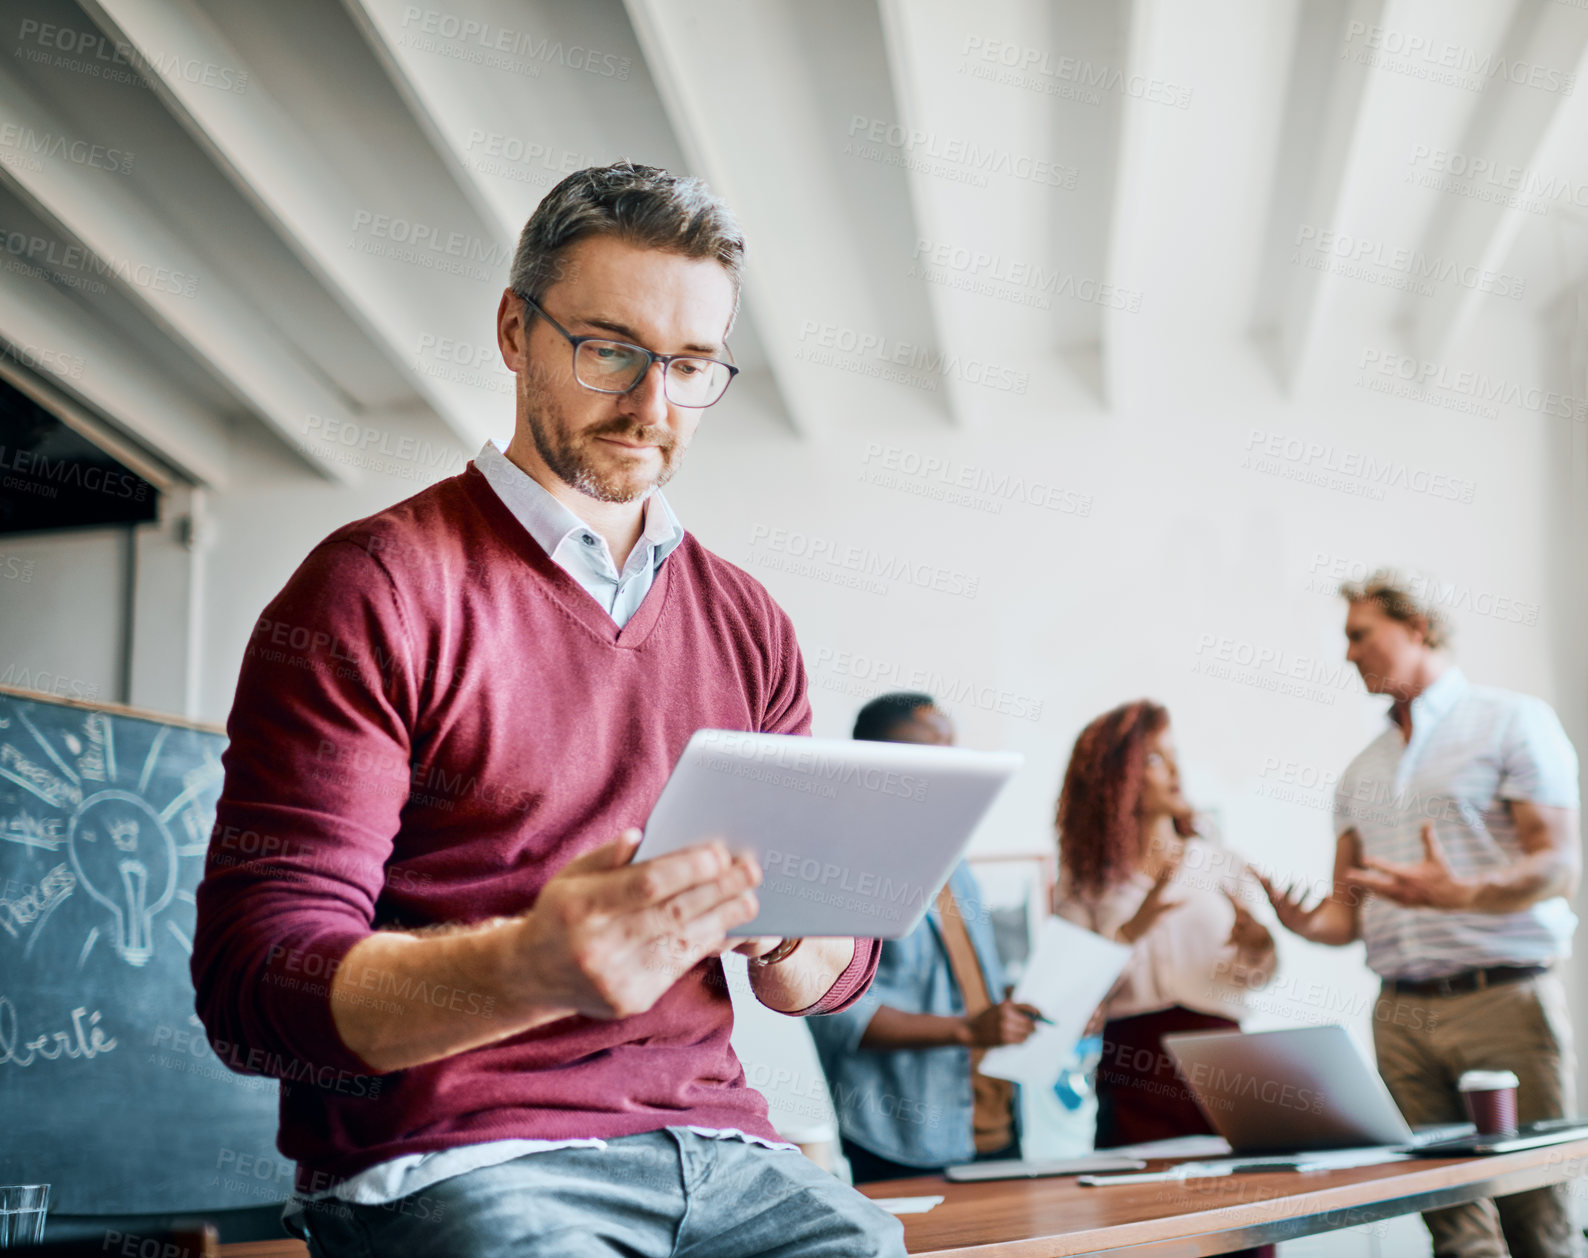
(1031, 1011)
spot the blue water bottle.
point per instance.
(1074, 1084)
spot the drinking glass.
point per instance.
(22, 1208)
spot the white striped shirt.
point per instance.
(1472, 749)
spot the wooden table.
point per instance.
(1045, 1218)
(1050, 1217)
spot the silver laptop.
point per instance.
(1300, 1090)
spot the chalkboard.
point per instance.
(109, 1091)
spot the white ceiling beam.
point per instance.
(314, 206)
(904, 37)
(1132, 189)
(1335, 179)
(508, 135)
(383, 37)
(1533, 129)
(85, 357)
(216, 324)
(1197, 146)
(490, 133)
(758, 116)
(1010, 194)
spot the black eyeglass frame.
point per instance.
(651, 356)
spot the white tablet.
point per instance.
(854, 838)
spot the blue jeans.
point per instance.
(663, 1194)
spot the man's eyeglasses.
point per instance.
(607, 366)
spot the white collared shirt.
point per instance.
(1472, 749)
(577, 548)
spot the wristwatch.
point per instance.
(782, 952)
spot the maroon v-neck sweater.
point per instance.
(432, 718)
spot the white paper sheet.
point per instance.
(1038, 1168)
(907, 1205)
(1070, 971)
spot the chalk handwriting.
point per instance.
(81, 1041)
(93, 762)
(36, 901)
(39, 780)
(47, 833)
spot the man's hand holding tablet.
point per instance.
(606, 937)
(757, 838)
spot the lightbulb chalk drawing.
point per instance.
(117, 842)
(120, 845)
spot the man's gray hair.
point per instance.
(643, 205)
(1405, 597)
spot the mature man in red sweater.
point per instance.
(495, 1034)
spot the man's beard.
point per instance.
(569, 455)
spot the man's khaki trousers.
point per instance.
(1425, 1043)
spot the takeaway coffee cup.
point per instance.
(1490, 1097)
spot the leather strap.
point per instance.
(992, 1114)
(1464, 981)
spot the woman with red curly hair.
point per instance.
(1132, 867)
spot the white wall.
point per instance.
(1185, 553)
(63, 613)
(108, 615)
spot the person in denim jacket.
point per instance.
(901, 1062)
